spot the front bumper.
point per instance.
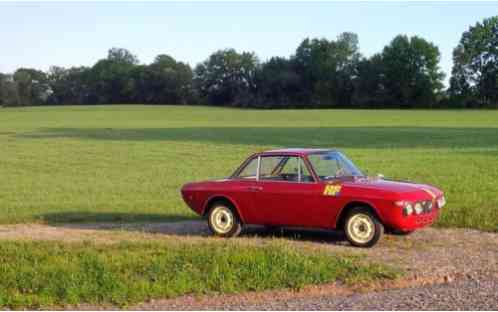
(413, 221)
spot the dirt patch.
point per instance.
(103, 232)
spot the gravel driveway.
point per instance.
(467, 294)
(462, 295)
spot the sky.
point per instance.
(68, 34)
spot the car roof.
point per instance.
(296, 151)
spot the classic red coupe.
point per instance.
(315, 188)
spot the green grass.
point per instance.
(127, 163)
(45, 274)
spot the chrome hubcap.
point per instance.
(361, 228)
(222, 219)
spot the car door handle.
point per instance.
(255, 188)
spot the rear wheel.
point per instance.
(362, 228)
(223, 220)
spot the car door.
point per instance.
(287, 194)
(242, 189)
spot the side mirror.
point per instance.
(380, 176)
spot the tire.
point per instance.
(223, 220)
(362, 228)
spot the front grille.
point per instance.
(424, 220)
(427, 206)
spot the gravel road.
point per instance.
(461, 295)
(468, 294)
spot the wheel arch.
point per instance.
(222, 198)
(341, 219)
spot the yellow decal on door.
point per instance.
(332, 189)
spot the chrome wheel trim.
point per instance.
(361, 228)
(222, 219)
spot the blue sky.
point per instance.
(43, 34)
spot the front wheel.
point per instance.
(223, 221)
(362, 228)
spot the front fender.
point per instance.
(220, 196)
(354, 202)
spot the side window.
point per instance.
(324, 166)
(284, 168)
(250, 170)
(291, 166)
(269, 167)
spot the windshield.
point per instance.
(330, 165)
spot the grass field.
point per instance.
(46, 274)
(127, 163)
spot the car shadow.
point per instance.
(300, 234)
(117, 218)
(178, 225)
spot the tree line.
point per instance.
(321, 73)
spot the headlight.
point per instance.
(418, 208)
(406, 206)
(429, 205)
(441, 201)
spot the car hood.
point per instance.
(393, 186)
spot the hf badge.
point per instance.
(332, 189)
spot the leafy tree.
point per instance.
(412, 76)
(227, 77)
(119, 79)
(122, 56)
(170, 81)
(369, 89)
(70, 86)
(110, 79)
(327, 69)
(278, 84)
(32, 86)
(8, 91)
(475, 70)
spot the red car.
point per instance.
(315, 188)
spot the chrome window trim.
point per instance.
(299, 160)
(282, 181)
(258, 167)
